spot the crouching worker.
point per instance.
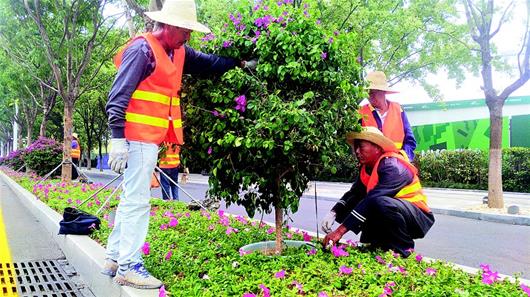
(386, 203)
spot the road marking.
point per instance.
(8, 286)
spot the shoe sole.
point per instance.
(108, 273)
(122, 282)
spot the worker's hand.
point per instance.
(332, 238)
(118, 154)
(328, 221)
(252, 64)
(184, 178)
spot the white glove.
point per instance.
(118, 154)
(328, 222)
(252, 64)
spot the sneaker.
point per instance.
(110, 267)
(137, 276)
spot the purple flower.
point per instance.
(168, 255)
(280, 274)
(243, 252)
(430, 271)
(330, 40)
(336, 33)
(163, 227)
(162, 291)
(146, 248)
(525, 289)
(345, 270)
(227, 43)
(490, 277)
(419, 257)
(209, 150)
(380, 260)
(249, 295)
(263, 22)
(208, 37)
(173, 222)
(266, 291)
(241, 102)
(298, 286)
(311, 252)
(338, 251)
(318, 22)
(323, 294)
(324, 55)
(270, 230)
(256, 7)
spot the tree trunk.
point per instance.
(100, 155)
(28, 134)
(495, 198)
(66, 174)
(42, 130)
(278, 215)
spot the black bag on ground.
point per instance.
(78, 222)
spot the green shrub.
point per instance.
(14, 159)
(43, 155)
(516, 169)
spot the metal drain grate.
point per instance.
(7, 280)
(45, 278)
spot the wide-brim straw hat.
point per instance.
(74, 135)
(377, 80)
(373, 135)
(179, 13)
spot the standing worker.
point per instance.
(144, 110)
(169, 163)
(386, 115)
(76, 155)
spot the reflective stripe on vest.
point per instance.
(171, 159)
(393, 126)
(153, 114)
(413, 192)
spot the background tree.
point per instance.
(485, 22)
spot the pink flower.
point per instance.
(323, 294)
(430, 271)
(345, 270)
(241, 103)
(209, 150)
(270, 230)
(163, 227)
(243, 252)
(242, 220)
(338, 251)
(490, 277)
(249, 295)
(289, 235)
(351, 243)
(280, 274)
(380, 260)
(266, 291)
(485, 267)
(168, 255)
(173, 222)
(298, 286)
(145, 248)
(324, 55)
(221, 213)
(211, 227)
(311, 252)
(419, 257)
(227, 43)
(162, 291)
(230, 230)
(525, 289)
(306, 236)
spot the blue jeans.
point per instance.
(169, 189)
(132, 216)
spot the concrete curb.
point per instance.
(86, 255)
(496, 218)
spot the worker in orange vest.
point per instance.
(76, 154)
(386, 202)
(386, 115)
(144, 110)
(169, 163)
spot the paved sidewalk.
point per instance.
(454, 202)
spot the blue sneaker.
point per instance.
(137, 276)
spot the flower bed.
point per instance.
(197, 253)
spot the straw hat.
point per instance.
(74, 135)
(373, 135)
(378, 81)
(179, 13)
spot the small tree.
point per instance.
(265, 132)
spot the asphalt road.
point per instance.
(506, 248)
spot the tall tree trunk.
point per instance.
(88, 150)
(29, 134)
(495, 196)
(100, 155)
(66, 174)
(278, 218)
(42, 130)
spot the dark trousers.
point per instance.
(169, 189)
(75, 174)
(393, 224)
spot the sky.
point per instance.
(508, 42)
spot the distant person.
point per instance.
(386, 115)
(76, 155)
(386, 202)
(169, 164)
(144, 110)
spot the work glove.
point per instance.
(252, 64)
(328, 222)
(118, 154)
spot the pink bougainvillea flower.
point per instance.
(145, 248)
(266, 291)
(338, 251)
(419, 257)
(280, 274)
(270, 230)
(490, 277)
(324, 55)
(525, 289)
(430, 271)
(168, 255)
(311, 252)
(225, 221)
(306, 236)
(323, 294)
(249, 295)
(380, 260)
(485, 267)
(345, 270)
(173, 222)
(221, 213)
(162, 292)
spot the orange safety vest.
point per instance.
(153, 114)
(171, 159)
(412, 192)
(76, 152)
(393, 126)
